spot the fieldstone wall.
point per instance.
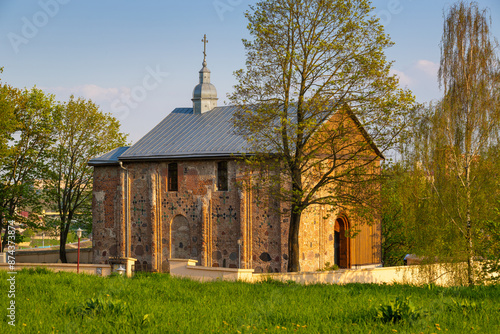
(198, 221)
(106, 213)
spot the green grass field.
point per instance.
(157, 303)
(47, 242)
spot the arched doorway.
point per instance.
(342, 243)
(180, 236)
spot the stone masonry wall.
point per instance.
(106, 213)
(199, 222)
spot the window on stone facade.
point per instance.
(172, 177)
(222, 179)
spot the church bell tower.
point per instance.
(204, 94)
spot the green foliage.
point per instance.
(36, 271)
(468, 120)
(71, 237)
(44, 149)
(442, 203)
(489, 245)
(329, 267)
(29, 138)
(18, 238)
(47, 242)
(82, 132)
(400, 309)
(99, 306)
(315, 98)
(276, 282)
(466, 307)
(399, 192)
(8, 122)
(28, 233)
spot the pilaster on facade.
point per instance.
(156, 224)
(210, 235)
(321, 235)
(205, 234)
(249, 228)
(122, 218)
(245, 227)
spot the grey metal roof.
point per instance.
(109, 158)
(183, 134)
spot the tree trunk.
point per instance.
(295, 215)
(62, 248)
(4, 239)
(62, 242)
(293, 242)
(3, 244)
(470, 251)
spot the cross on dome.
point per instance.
(205, 41)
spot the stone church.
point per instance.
(175, 194)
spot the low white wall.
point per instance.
(52, 255)
(92, 269)
(189, 269)
(388, 275)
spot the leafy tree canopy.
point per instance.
(315, 98)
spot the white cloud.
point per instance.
(421, 78)
(404, 79)
(428, 67)
(96, 93)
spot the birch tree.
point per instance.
(470, 113)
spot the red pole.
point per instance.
(78, 261)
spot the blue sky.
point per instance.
(140, 59)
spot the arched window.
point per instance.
(173, 177)
(180, 238)
(222, 177)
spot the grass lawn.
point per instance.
(46, 242)
(157, 303)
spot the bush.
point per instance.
(36, 271)
(329, 267)
(28, 233)
(400, 309)
(98, 306)
(464, 306)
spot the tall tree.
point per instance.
(470, 113)
(401, 190)
(82, 132)
(25, 141)
(434, 201)
(315, 97)
(7, 118)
